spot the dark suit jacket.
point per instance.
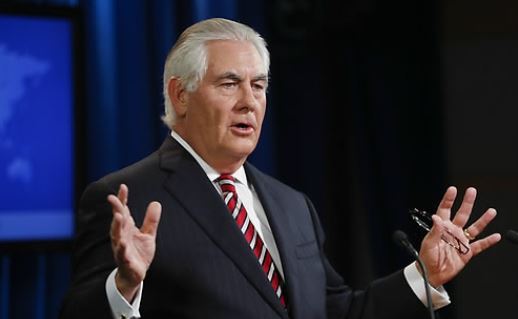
(203, 267)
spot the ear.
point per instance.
(178, 96)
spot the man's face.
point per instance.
(223, 117)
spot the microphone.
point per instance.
(402, 240)
(512, 236)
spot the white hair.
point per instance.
(187, 60)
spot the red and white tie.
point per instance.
(238, 211)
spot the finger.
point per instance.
(444, 209)
(119, 246)
(152, 218)
(116, 227)
(116, 204)
(123, 194)
(478, 226)
(462, 216)
(482, 244)
(118, 208)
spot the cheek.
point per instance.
(204, 115)
(213, 122)
(261, 113)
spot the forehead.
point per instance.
(235, 56)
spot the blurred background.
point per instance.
(374, 107)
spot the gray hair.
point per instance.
(187, 59)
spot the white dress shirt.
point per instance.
(121, 308)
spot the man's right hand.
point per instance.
(133, 248)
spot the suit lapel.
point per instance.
(283, 229)
(189, 184)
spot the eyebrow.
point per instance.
(234, 77)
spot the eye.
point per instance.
(259, 86)
(228, 85)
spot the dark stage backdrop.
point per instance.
(356, 119)
(358, 105)
(479, 47)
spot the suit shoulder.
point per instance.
(146, 169)
(136, 170)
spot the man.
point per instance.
(218, 238)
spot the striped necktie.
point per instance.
(238, 211)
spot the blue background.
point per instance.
(41, 129)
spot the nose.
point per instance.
(248, 100)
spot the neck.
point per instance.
(226, 168)
(221, 164)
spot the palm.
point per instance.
(443, 261)
(134, 251)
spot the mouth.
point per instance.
(243, 128)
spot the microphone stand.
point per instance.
(402, 239)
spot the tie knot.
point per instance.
(226, 182)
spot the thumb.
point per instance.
(152, 218)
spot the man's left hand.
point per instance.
(444, 261)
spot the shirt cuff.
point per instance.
(119, 306)
(439, 295)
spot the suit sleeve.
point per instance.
(93, 259)
(385, 298)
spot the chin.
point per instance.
(243, 152)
